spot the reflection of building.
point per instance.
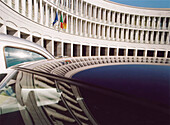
(95, 27)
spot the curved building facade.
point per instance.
(94, 27)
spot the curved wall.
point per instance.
(94, 27)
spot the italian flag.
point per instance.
(65, 23)
(61, 22)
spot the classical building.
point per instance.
(94, 27)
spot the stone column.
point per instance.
(52, 17)
(136, 36)
(9, 2)
(162, 37)
(117, 34)
(137, 23)
(113, 17)
(94, 11)
(41, 12)
(85, 28)
(128, 19)
(164, 23)
(151, 39)
(71, 6)
(166, 54)
(90, 12)
(67, 5)
(141, 36)
(46, 15)
(112, 33)
(108, 32)
(127, 35)
(146, 37)
(99, 14)
(42, 42)
(122, 34)
(94, 30)
(155, 53)
(89, 50)
(17, 5)
(76, 26)
(104, 15)
(62, 48)
(81, 8)
(86, 11)
(71, 49)
(81, 27)
(52, 47)
(61, 3)
(123, 19)
(76, 6)
(133, 20)
(23, 7)
(159, 21)
(30, 9)
(143, 21)
(72, 25)
(153, 22)
(145, 53)
(98, 31)
(56, 2)
(167, 39)
(126, 52)
(103, 32)
(136, 52)
(108, 17)
(117, 51)
(157, 38)
(108, 50)
(89, 29)
(35, 10)
(131, 35)
(149, 21)
(98, 50)
(67, 23)
(118, 18)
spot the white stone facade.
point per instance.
(94, 27)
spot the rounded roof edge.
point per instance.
(147, 8)
(18, 40)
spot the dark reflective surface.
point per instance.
(38, 98)
(13, 118)
(148, 83)
(44, 99)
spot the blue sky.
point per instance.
(146, 3)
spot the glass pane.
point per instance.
(16, 56)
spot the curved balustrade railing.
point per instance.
(63, 66)
(39, 94)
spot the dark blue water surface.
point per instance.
(147, 82)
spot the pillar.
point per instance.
(71, 24)
(46, 14)
(71, 49)
(35, 10)
(81, 50)
(52, 17)
(23, 7)
(41, 12)
(17, 5)
(30, 9)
